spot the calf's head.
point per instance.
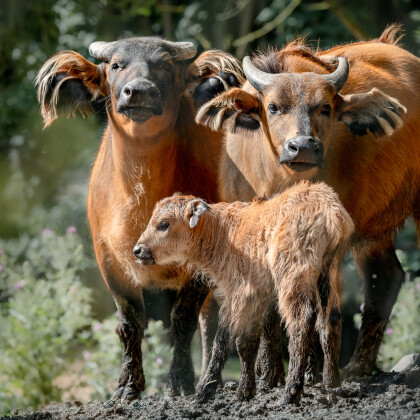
(168, 237)
(294, 113)
(140, 78)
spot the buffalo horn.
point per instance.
(258, 78)
(100, 50)
(338, 78)
(184, 50)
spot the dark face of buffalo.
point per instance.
(293, 113)
(142, 74)
(297, 109)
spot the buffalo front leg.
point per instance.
(130, 329)
(270, 367)
(382, 275)
(184, 321)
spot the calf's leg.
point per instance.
(209, 317)
(247, 346)
(219, 355)
(300, 329)
(184, 320)
(270, 366)
(382, 275)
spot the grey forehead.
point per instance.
(148, 48)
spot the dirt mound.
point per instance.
(384, 396)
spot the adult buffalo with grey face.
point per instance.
(151, 148)
(349, 116)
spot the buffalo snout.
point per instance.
(140, 99)
(143, 254)
(302, 153)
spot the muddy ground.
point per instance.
(384, 396)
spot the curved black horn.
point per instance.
(100, 50)
(258, 78)
(338, 78)
(184, 50)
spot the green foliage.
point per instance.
(103, 361)
(43, 311)
(402, 335)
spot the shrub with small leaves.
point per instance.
(44, 310)
(103, 362)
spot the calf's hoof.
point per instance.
(206, 392)
(271, 379)
(245, 393)
(291, 396)
(312, 377)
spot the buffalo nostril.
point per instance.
(127, 91)
(292, 147)
(137, 251)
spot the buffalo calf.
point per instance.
(277, 249)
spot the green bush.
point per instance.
(402, 335)
(44, 310)
(103, 361)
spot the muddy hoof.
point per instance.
(180, 390)
(312, 377)
(356, 370)
(206, 393)
(271, 380)
(291, 396)
(245, 394)
(126, 394)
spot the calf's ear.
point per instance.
(67, 83)
(372, 112)
(196, 208)
(236, 105)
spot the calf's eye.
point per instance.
(115, 66)
(162, 226)
(326, 109)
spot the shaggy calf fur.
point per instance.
(255, 253)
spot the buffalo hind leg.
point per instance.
(382, 275)
(130, 329)
(219, 355)
(247, 345)
(270, 367)
(184, 320)
(209, 317)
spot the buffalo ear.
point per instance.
(195, 209)
(236, 105)
(67, 83)
(372, 112)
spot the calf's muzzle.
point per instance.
(302, 153)
(143, 254)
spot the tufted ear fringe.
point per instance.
(59, 69)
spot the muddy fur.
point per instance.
(256, 253)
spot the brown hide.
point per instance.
(377, 179)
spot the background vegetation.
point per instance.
(52, 300)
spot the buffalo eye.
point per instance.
(115, 66)
(273, 109)
(326, 109)
(166, 66)
(162, 226)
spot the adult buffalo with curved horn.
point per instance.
(349, 116)
(151, 148)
